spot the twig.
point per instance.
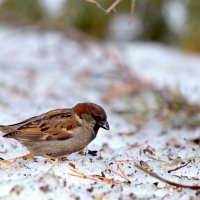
(98, 5)
(123, 161)
(118, 174)
(132, 7)
(51, 172)
(124, 175)
(77, 172)
(108, 181)
(97, 178)
(113, 6)
(194, 187)
(83, 176)
(109, 9)
(177, 168)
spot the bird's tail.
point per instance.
(6, 129)
(2, 128)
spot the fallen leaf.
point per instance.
(72, 165)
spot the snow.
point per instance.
(41, 71)
(166, 67)
(176, 15)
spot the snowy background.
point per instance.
(41, 71)
(46, 64)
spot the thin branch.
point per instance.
(124, 175)
(96, 178)
(123, 161)
(194, 187)
(108, 181)
(83, 176)
(98, 5)
(177, 168)
(113, 6)
(77, 172)
(132, 7)
(109, 9)
(118, 174)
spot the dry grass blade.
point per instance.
(123, 161)
(118, 174)
(195, 187)
(51, 168)
(97, 178)
(77, 172)
(154, 158)
(108, 181)
(83, 176)
(123, 174)
(109, 9)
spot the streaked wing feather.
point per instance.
(54, 125)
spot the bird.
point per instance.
(59, 132)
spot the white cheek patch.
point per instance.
(79, 119)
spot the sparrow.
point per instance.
(59, 132)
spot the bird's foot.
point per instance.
(50, 158)
(62, 158)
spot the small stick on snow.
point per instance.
(83, 176)
(177, 168)
(194, 187)
(97, 178)
(124, 175)
(118, 174)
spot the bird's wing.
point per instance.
(54, 125)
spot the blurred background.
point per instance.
(140, 62)
(53, 51)
(173, 22)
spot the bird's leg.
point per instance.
(62, 158)
(55, 159)
(81, 152)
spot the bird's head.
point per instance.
(92, 114)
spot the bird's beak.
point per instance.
(104, 124)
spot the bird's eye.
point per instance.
(96, 117)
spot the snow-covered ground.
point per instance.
(40, 71)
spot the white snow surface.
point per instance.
(40, 71)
